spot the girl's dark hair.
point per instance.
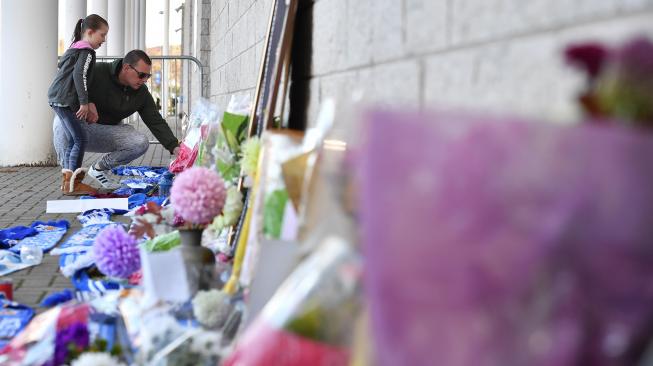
(92, 21)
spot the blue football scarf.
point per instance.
(76, 252)
(139, 171)
(47, 235)
(14, 317)
(12, 235)
(83, 282)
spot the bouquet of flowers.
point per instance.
(619, 80)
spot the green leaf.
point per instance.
(275, 204)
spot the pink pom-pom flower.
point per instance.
(198, 195)
(116, 252)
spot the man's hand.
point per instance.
(93, 116)
(82, 113)
(175, 151)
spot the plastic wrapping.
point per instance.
(201, 126)
(226, 151)
(310, 317)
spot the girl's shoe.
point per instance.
(75, 185)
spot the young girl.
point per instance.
(68, 96)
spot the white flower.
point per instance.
(211, 308)
(251, 149)
(231, 210)
(206, 343)
(96, 359)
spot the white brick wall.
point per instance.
(503, 56)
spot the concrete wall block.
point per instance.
(229, 76)
(426, 25)
(251, 71)
(258, 49)
(522, 77)
(525, 76)
(216, 9)
(223, 81)
(251, 26)
(218, 56)
(232, 15)
(222, 25)
(261, 13)
(240, 36)
(396, 84)
(359, 32)
(219, 6)
(337, 86)
(449, 77)
(238, 75)
(615, 30)
(250, 30)
(217, 83)
(329, 36)
(245, 6)
(228, 46)
(388, 30)
(479, 20)
(241, 7)
(636, 4)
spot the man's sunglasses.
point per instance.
(141, 75)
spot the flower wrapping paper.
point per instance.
(506, 242)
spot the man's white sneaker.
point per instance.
(102, 178)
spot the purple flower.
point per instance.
(198, 195)
(589, 57)
(636, 57)
(620, 80)
(116, 252)
(75, 334)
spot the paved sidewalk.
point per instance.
(24, 192)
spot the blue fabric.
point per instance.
(14, 317)
(57, 298)
(82, 282)
(48, 235)
(106, 328)
(11, 262)
(139, 199)
(12, 235)
(126, 191)
(165, 183)
(73, 251)
(98, 216)
(143, 171)
(141, 180)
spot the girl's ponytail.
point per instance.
(77, 33)
(92, 21)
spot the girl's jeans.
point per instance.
(73, 129)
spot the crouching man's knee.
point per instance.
(140, 144)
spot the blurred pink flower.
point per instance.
(198, 195)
